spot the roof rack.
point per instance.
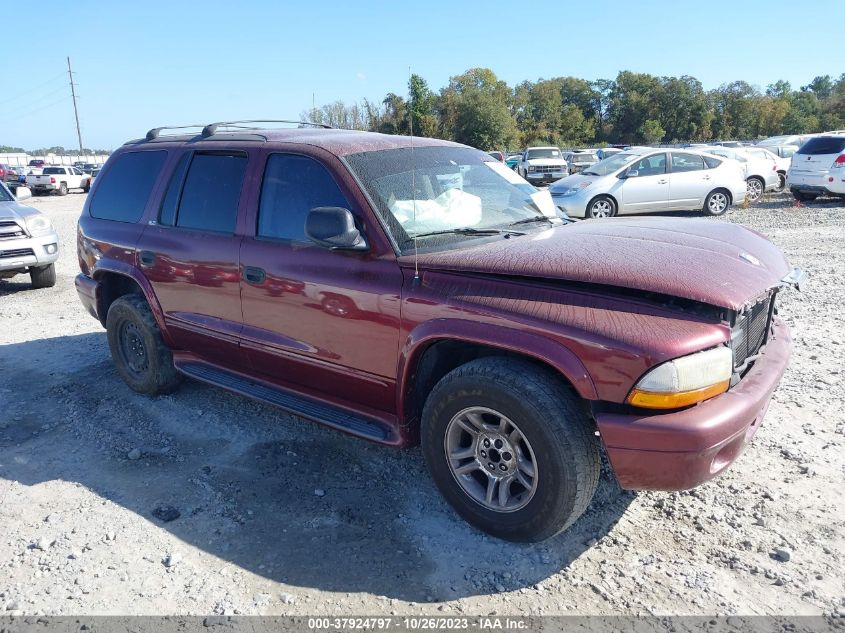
(156, 131)
(211, 128)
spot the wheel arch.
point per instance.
(434, 349)
(613, 199)
(115, 279)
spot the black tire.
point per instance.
(781, 182)
(713, 204)
(549, 415)
(63, 189)
(597, 204)
(755, 183)
(87, 187)
(804, 197)
(44, 277)
(142, 359)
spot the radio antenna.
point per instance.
(413, 173)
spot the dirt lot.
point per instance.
(279, 516)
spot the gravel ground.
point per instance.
(279, 516)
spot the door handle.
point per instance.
(706, 177)
(148, 258)
(253, 275)
(662, 182)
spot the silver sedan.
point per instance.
(650, 180)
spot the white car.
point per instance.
(542, 164)
(652, 180)
(580, 159)
(759, 164)
(58, 179)
(818, 168)
(607, 152)
(30, 244)
(783, 156)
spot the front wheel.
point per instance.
(601, 207)
(86, 187)
(43, 277)
(755, 188)
(511, 448)
(717, 203)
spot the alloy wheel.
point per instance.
(755, 189)
(601, 209)
(718, 203)
(491, 459)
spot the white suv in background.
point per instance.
(818, 168)
(542, 164)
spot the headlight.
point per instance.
(572, 190)
(38, 224)
(684, 381)
(531, 168)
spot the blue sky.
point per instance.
(150, 63)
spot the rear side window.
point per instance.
(53, 170)
(686, 162)
(712, 162)
(123, 190)
(211, 193)
(819, 145)
(293, 185)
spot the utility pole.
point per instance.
(75, 111)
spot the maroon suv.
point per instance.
(419, 291)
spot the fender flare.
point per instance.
(122, 268)
(555, 355)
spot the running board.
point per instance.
(329, 415)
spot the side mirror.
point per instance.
(334, 227)
(22, 193)
(630, 173)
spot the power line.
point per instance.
(36, 110)
(33, 89)
(19, 108)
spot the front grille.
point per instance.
(750, 332)
(18, 252)
(547, 169)
(8, 230)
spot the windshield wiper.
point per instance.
(589, 173)
(468, 230)
(532, 219)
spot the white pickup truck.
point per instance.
(58, 179)
(542, 165)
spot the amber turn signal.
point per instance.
(657, 400)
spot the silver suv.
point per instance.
(28, 241)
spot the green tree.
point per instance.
(650, 131)
(421, 107)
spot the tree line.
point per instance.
(478, 109)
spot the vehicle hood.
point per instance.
(15, 211)
(540, 162)
(575, 181)
(717, 263)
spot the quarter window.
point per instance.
(293, 185)
(211, 193)
(682, 161)
(167, 214)
(124, 188)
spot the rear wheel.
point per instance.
(63, 189)
(511, 448)
(717, 203)
(43, 277)
(781, 182)
(804, 197)
(755, 188)
(601, 207)
(87, 186)
(142, 359)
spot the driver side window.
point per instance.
(651, 165)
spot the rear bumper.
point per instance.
(87, 290)
(827, 182)
(677, 451)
